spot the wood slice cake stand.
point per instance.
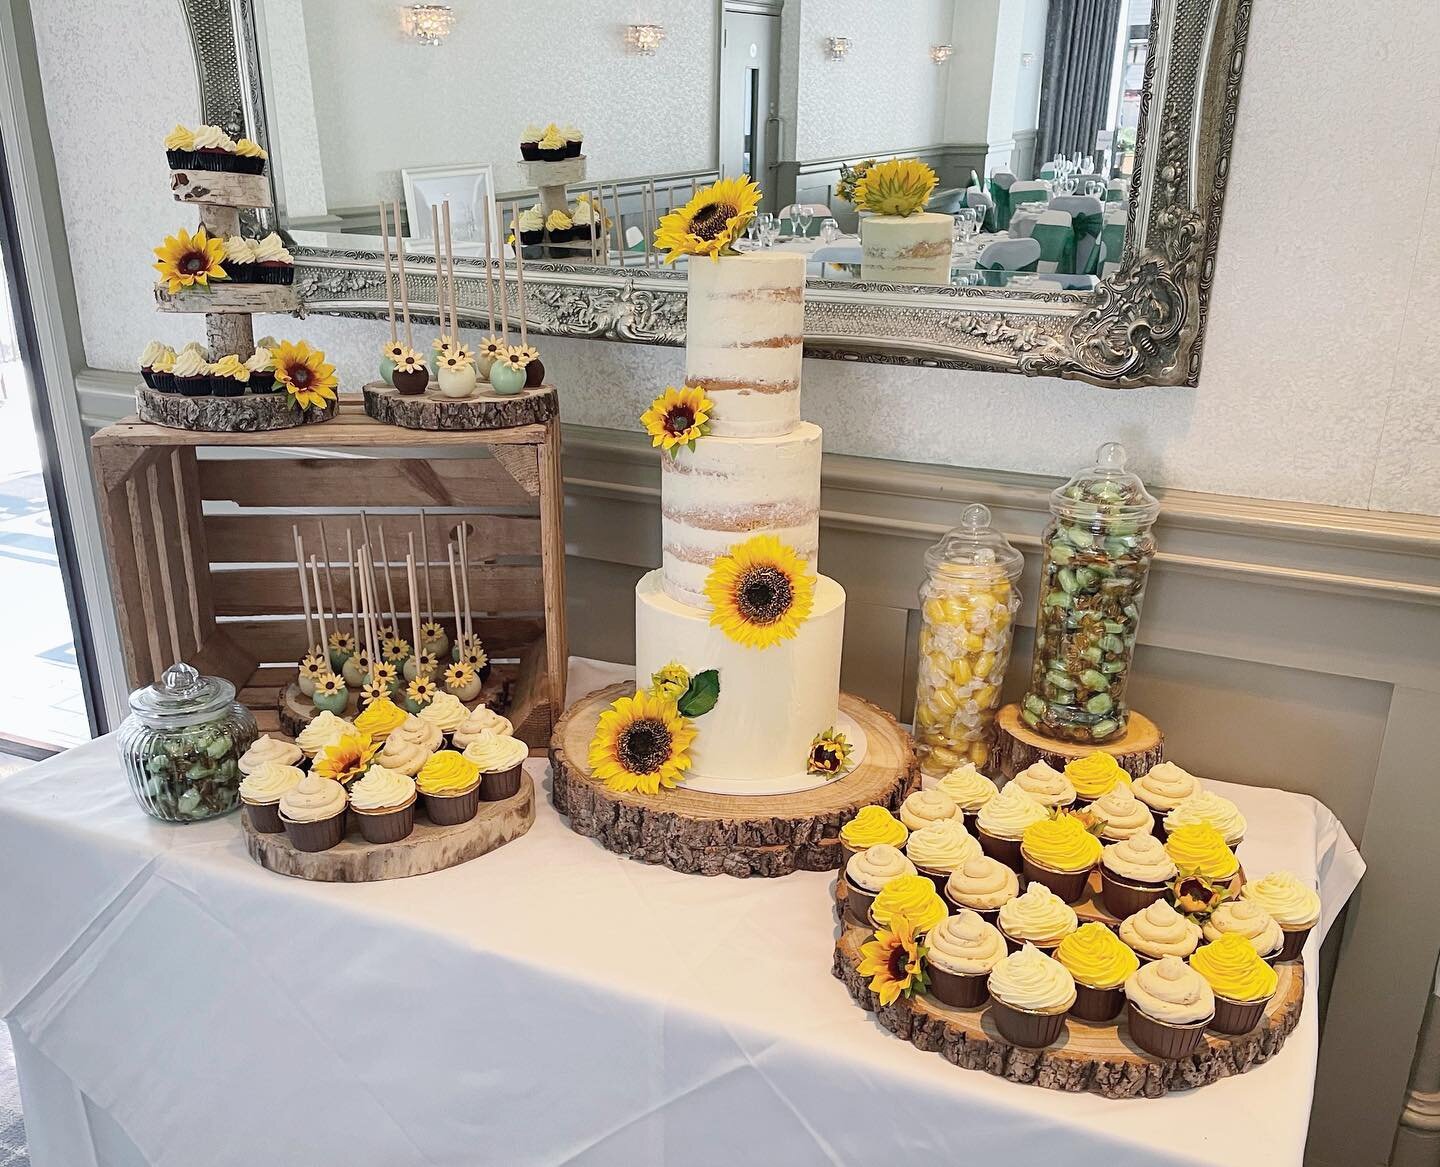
(252, 413)
(296, 710)
(1017, 746)
(485, 411)
(427, 848)
(1099, 1058)
(713, 834)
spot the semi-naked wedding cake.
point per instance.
(754, 474)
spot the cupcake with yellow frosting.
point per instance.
(1167, 1007)
(1208, 808)
(1037, 917)
(1030, 994)
(871, 825)
(961, 952)
(447, 713)
(970, 789)
(449, 786)
(1121, 815)
(1100, 964)
(1060, 853)
(380, 719)
(1163, 788)
(1046, 785)
(261, 790)
(981, 885)
(313, 813)
(1293, 905)
(551, 147)
(939, 848)
(1242, 982)
(383, 802)
(911, 896)
(500, 758)
(1199, 849)
(927, 806)
(1251, 922)
(1160, 931)
(1095, 775)
(559, 227)
(867, 873)
(1002, 821)
(1134, 873)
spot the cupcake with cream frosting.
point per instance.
(313, 813)
(325, 729)
(867, 872)
(273, 262)
(1163, 788)
(500, 758)
(925, 807)
(482, 717)
(1100, 964)
(982, 885)
(449, 785)
(1293, 905)
(154, 353)
(1031, 993)
(961, 952)
(1134, 873)
(1199, 849)
(939, 848)
(911, 896)
(1060, 853)
(1095, 775)
(383, 801)
(192, 374)
(871, 825)
(1212, 810)
(530, 142)
(552, 144)
(1159, 931)
(261, 364)
(1001, 824)
(1038, 917)
(262, 788)
(1121, 814)
(446, 712)
(1168, 1005)
(229, 377)
(1242, 983)
(532, 226)
(574, 139)
(239, 259)
(410, 745)
(1251, 922)
(969, 788)
(1046, 785)
(269, 749)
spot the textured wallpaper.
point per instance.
(1306, 392)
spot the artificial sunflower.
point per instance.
(711, 222)
(475, 656)
(385, 674)
(314, 666)
(307, 377)
(329, 685)
(421, 690)
(761, 592)
(372, 691)
(829, 753)
(678, 417)
(431, 631)
(670, 682)
(1198, 897)
(516, 357)
(187, 261)
(899, 187)
(426, 662)
(892, 962)
(457, 676)
(392, 351)
(641, 744)
(362, 660)
(492, 348)
(346, 759)
(342, 642)
(396, 649)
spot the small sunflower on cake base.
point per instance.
(761, 592)
(641, 745)
(678, 417)
(829, 753)
(308, 378)
(892, 962)
(346, 759)
(711, 222)
(190, 261)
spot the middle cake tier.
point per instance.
(728, 489)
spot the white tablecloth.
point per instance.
(174, 1004)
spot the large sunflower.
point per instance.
(307, 377)
(678, 417)
(892, 962)
(187, 261)
(641, 744)
(898, 187)
(710, 222)
(346, 760)
(761, 591)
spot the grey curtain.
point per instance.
(1076, 75)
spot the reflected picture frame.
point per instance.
(470, 190)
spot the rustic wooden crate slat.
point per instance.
(408, 482)
(251, 538)
(273, 591)
(350, 429)
(178, 639)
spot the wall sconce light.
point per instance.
(1026, 60)
(427, 24)
(644, 39)
(941, 53)
(836, 47)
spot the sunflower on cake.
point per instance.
(739, 635)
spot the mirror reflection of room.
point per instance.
(1025, 111)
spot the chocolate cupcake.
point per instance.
(500, 759)
(1160, 931)
(871, 825)
(551, 147)
(273, 262)
(262, 370)
(180, 148)
(532, 227)
(239, 259)
(313, 813)
(939, 848)
(1100, 964)
(213, 149)
(866, 873)
(1030, 994)
(1245, 918)
(154, 353)
(383, 802)
(1242, 983)
(1060, 853)
(261, 790)
(192, 374)
(229, 377)
(574, 140)
(1167, 1007)
(961, 952)
(250, 157)
(530, 143)
(1094, 776)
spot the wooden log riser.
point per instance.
(1017, 746)
(432, 411)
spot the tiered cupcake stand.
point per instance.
(552, 180)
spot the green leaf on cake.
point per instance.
(702, 694)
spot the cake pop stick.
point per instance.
(414, 596)
(619, 227)
(520, 285)
(489, 279)
(369, 558)
(450, 276)
(454, 588)
(400, 263)
(389, 589)
(465, 576)
(354, 601)
(439, 269)
(367, 590)
(389, 279)
(304, 587)
(425, 552)
(505, 293)
(319, 609)
(329, 579)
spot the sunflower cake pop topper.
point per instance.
(711, 222)
(761, 592)
(678, 417)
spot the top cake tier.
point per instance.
(744, 340)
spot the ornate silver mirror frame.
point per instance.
(1143, 326)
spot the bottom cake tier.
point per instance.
(773, 701)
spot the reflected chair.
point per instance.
(1087, 219)
(1024, 194)
(1000, 183)
(1007, 255)
(1112, 243)
(819, 212)
(1056, 236)
(981, 201)
(1117, 190)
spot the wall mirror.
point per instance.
(1094, 133)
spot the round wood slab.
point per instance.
(484, 411)
(252, 413)
(227, 298)
(427, 848)
(296, 711)
(1140, 747)
(220, 188)
(1099, 1058)
(713, 834)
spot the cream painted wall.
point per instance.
(1313, 386)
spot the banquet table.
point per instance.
(174, 1004)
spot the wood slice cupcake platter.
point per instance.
(1017, 746)
(484, 411)
(1099, 1058)
(251, 413)
(713, 834)
(427, 848)
(296, 711)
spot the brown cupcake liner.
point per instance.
(1161, 1040)
(386, 826)
(1294, 944)
(1006, 851)
(317, 836)
(989, 915)
(970, 818)
(1237, 1017)
(847, 853)
(960, 990)
(264, 817)
(1070, 886)
(936, 876)
(1097, 1005)
(497, 785)
(857, 902)
(1125, 897)
(451, 810)
(1015, 945)
(1025, 1027)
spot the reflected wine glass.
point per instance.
(794, 209)
(764, 225)
(807, 216)
(829, 231)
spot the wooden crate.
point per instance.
(203, 565)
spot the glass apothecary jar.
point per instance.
(182, 743)
(1097, 554)
(967, 611)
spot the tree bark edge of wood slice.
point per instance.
(428, 848)
(251, 413)
(431, 411)
(713, 834)
(1017, 746)
(1089, 1058)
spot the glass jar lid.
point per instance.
(1105, 492)
(974, 548)
(181, 697)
